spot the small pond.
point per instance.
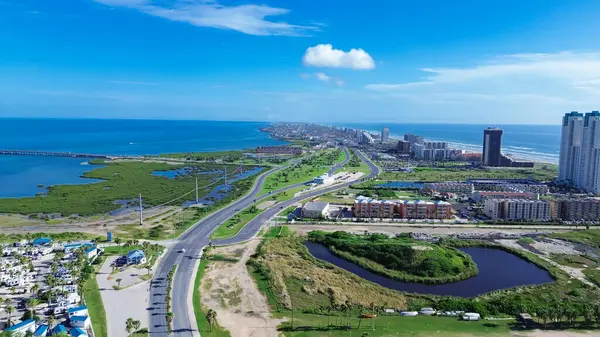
(497, 270)
(401, 185)
(219, 192)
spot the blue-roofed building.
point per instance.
(76, 332)
(82, 322)
(41, 331)
(41, 242)
(59, 329)
(78, 311)
(23, 327)
(90, 251)
(71, 247)
(136, 257)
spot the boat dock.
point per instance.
(54, 154)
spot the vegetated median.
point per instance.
(400, 257)
(93, 301)
(356, 164)
(121, 181)
(169, 313)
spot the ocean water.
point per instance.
(539, 142)
(21, 175)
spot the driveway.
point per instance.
(122, 304)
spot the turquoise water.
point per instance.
(21, 175)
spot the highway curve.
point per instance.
(198, 236)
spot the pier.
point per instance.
(54, 154)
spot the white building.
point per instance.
(82, 322)
(519, 209)
(315, 210)
(449, 187)
(385, 134)
(588, 178)
(570, 147)
(324, 179)
(22, 328)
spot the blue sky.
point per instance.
(468, 61)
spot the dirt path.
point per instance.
(229, 289)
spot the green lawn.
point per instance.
(575, 261)
(308, 169)
(590, 237)
(355, 164)
(200, 311)
(540, 172)
(232, 226)
(396, 326)
(93, 300)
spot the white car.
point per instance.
(182, 250)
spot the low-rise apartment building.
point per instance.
(579, 209)
(482, 196)
(401, 209)
(448, 187)
(520, 209)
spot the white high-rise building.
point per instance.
(385, 134)
(590, 156)
(570, 147)
(579, 162)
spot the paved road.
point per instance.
(195, 239)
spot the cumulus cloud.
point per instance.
(323, 78)
(249, 19)
(324, 56)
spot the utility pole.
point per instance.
(196, 190)
(141, 210)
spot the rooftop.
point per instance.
(135, 253)
(79, 308)
(20, 325)
(76, 332)
(79, 318)
(318, 206)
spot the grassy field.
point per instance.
(93, 300)
(308, 169)
(394, 326)
(542, 173)
(575, 261)
(590, 237)
(200, 311)
(57, 237)
(120, 181)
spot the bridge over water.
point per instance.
(54, 154)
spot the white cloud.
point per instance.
(324, 56)
(322, 77)
(249, 19)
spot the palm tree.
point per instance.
(169, 318)
(50, 322)
(136, 325)
(118, 241)
(13, 290)
(129, 325)
(149, 269)
(34, 289)
(119, 280)
(32, 303)
(211, 315)
(9, 310)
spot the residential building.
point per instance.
(59, 329)
(365, 138)
(136, 257)
(413, 139)
(82, 322)
(288, 150)
(315, 210)
(41, 331)
(435, 145)
(570, 147)
(385, 134)
(23, 327)
(365, 207)
(77, 332)
(481, 196)
(324, 179)
(403, 147)
(448, 187)
(90, 251)
(579, 209)
(492, 144)
(520, 209)
(579, 161)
